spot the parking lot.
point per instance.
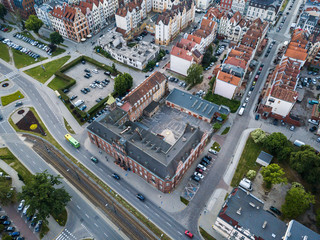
(20, 48)
(96, 90)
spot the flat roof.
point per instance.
(196, 104)
(300, 232)
(245, 212)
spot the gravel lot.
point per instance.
(77, 73)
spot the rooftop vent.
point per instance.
(184, 139)
(305, 237)
(239, 211)
(264, 224)
(252, 204)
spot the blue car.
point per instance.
(115, 176)
(140, 197)
(257, 116)
(14, 234)
(6, 223)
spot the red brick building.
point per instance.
(226, 4)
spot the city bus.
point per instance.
(71, 140)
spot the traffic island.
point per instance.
(6, 100)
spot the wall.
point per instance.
(279, 106)
(224, 89)
(179, 65)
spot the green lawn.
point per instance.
(42, 75)
(22, 60)
(217, 99)
(10, 159)
(5, 100)
(225, 131)
(216, 146)
(4, 52)
(247, 161)
(57, 83)
(206, 235)
(185, 201)
(58, 51)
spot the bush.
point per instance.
(185, 201)
(251, 174)
(20, 177)
(217, 126)
(98, 106)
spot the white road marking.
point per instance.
(100, 169)
(78, 206)
(87, 215)
(105, 234)
(157, 214)
(127, 190)
(146, 206)
(40, 169)
(33, 162)
(168, 224)
(180, 233)
(96, 225)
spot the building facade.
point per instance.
(266, 10)
(42, 13)
(239, 6)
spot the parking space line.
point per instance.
(169, 224)
(87, 215)
(78, 207)
(96, 225)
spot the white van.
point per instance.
(298, 143)
(246, 184)
(241, 111)
(78, 103)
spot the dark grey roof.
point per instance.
(151, 106)
(264, 3)
(196, 104)
(234, 70)
(252, 216)
(265, 157)
(300, 232)
(146, 148)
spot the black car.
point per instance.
(83, 62)
(206, 160)
(318, 87)
(313, 129)
(115, 176)
(66, 90)
(196, 178)
(275, 122)
(275, 210)
(140, 197)
(209, 157)
(87, 89)
(87, 70)
(151, 69)
(3, 218)
(203, 163)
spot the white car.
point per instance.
(25, 210)
(95, 71)
(212, 151)
(244, 105)
(198, 175)
(21, 205)
(249, 93)
(247, 100)
(313, 122)
(201, 167)
(291, 128)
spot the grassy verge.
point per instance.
(4, 52)
(68, 127)
(4, 80)
(180, 77)
(42, 75)
(62, 218)
(5, 100)
(58, 51)
(114, 194)
(206, 235)
(284, 5)
(216, 146)
(23, 173)
(44, 230)
(225, 131)
(22, 60)
(217, 99)
(185, 201)
(57, 83)
(247, 161)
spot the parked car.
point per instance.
(115, 176)
(38, 226)
(275, 210)
(196, 178)
(14, 234)
(202, 167)
(21, 205)
(3, 218)
(9, 229)
(212, 151)
(291, 128)
(275, 122)
(199, 170)
(257, 116)
(315, 122)
(94, 159)
(7, 223)
(313, 129)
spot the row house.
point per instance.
(240, 6)
(183, 55)
(151, 89)
(255, 34)
(24, 7)
(308, 22)
(42, 13)
(94, 12)
(162, 5)
(70, 22)
(228, 21)
(280, 93)
(9, 5)
(243, 216)
(265, 10)
(226, 4)
(314, 52)
(130, 16)
(171, 22)
(203, 4)
(205, 35)
(158, 161)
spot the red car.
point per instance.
(209, 77)
(256, 77)
(260, 69)
(5, 30)
(199, 170)
(189, 234)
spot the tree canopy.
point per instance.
(56, 38)
(207, 56)
(7, 194)
(297, 202)
(258, 135)
(42, 196)
(194, 74)
(33, 23)
(273, 174)
(122, 83)
(275, 142)
(3, 11)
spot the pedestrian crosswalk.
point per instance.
(66, 235)
(9, 75)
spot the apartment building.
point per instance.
(228, 21)
(24, 7)
(9, 5)
(308, 22)
(171, 22)
(137, 56)
(42, 13)
(226, 4)
(162, 5)
(265, 9)
(130, 16)
(159, 162)
(226, 84)
(255, 34)
(183, 55)
(235, 220)
(202, 4)
(56, 19)
(314, 52)
(151, 89)
(240, 6)
(280, 93)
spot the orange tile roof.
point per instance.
(284, 94)
(236, 62)
(188, 44)
(194, 38)
(296, 52)
(229, 78)
(181, 53)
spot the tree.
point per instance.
(114, 69)
(284, 154)
(3, 11)
(6, 237)
(318, 217)
(56, 38)
(258, 135)
(194, 74)
(273, 174)
(251, 174)
(207, 56)
(7, 194)
(217, 126)
(122, 83)
(1, 228)
(33, 24)
(275, 142)
(42, 196)
(297, 202)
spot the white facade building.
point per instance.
(43, 14)
(264, 9)
(226, 84)
(239, 6)
(56, 17)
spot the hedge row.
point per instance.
(103, 66)
(96, 107)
